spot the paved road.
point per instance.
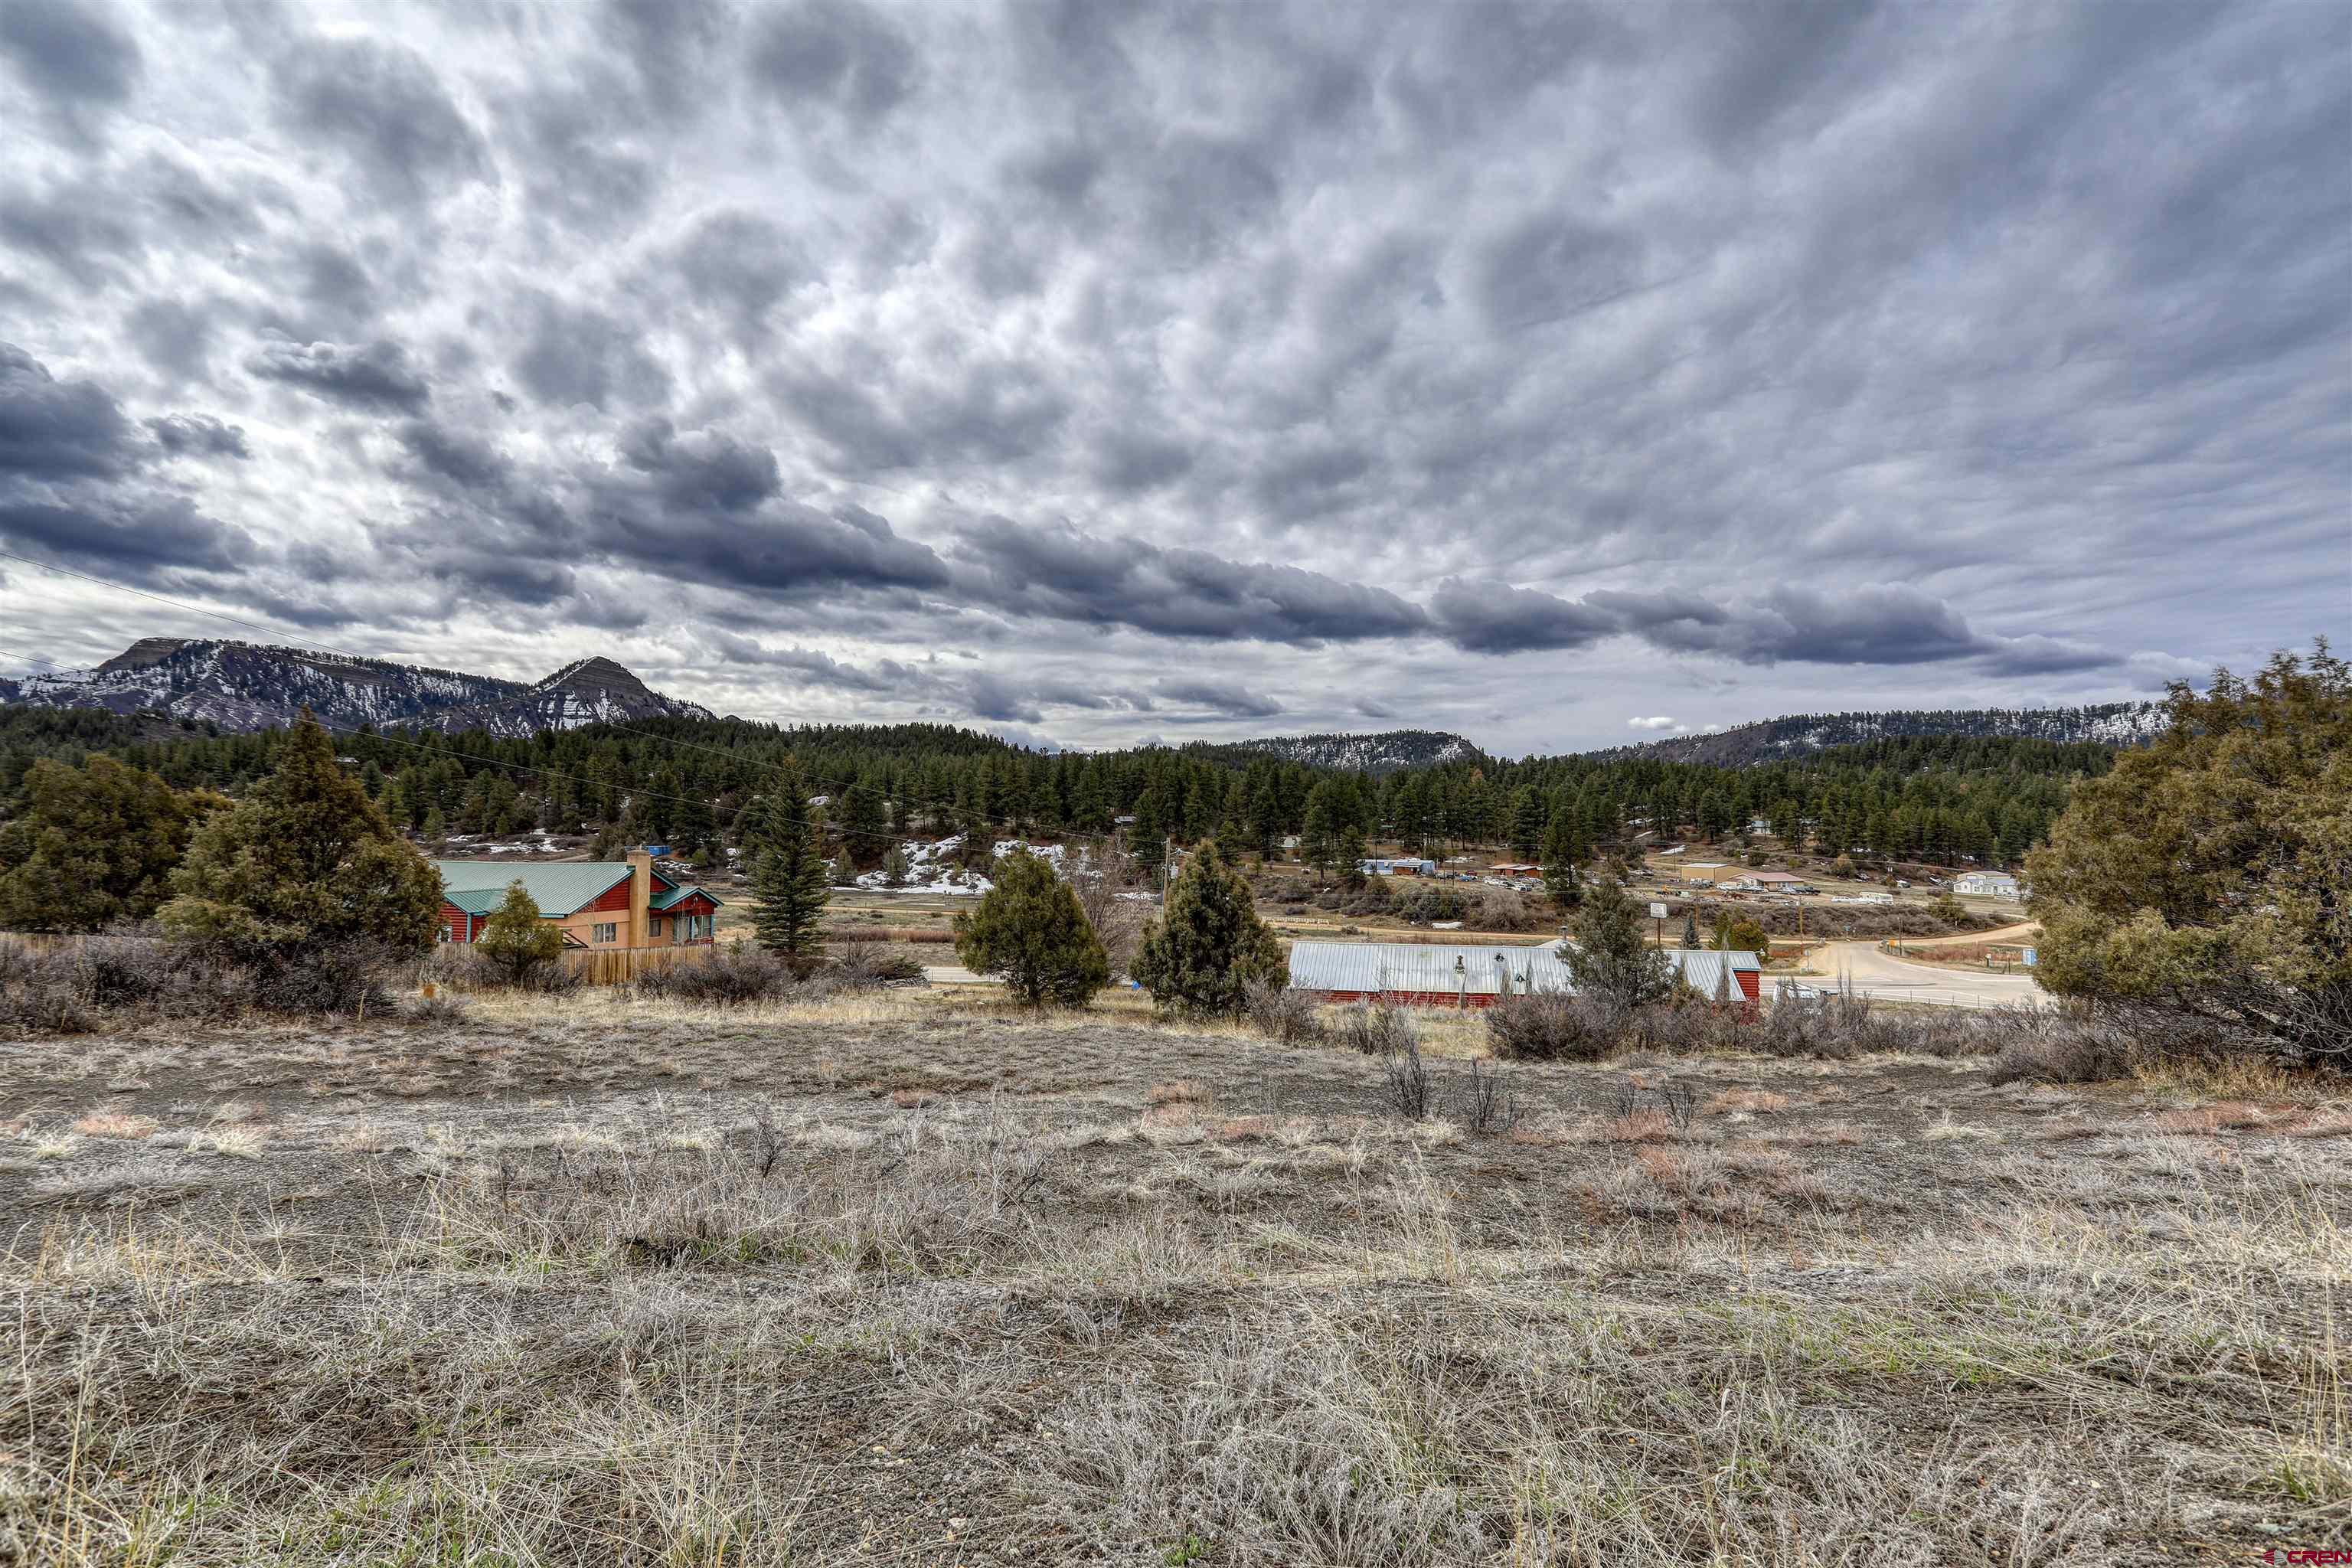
(1875, 974)
(2023, 931)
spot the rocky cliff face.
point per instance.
(247, 686)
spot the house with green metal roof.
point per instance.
(595, 903)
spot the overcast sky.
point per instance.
(1102, 372)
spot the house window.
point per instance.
(609, 931)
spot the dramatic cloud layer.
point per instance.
(1121, 369)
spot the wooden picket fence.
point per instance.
(619, 965)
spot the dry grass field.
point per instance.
(909, 1279)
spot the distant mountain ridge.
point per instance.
(1804, 734)
(242, 686)
(1390, 751)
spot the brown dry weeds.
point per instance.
(939, 1284)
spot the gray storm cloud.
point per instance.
(1510, 367)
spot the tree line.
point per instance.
(687, 782)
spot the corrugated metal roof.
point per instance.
(662, 901)
(558, 886)
(1415, 966)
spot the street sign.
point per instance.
(1657, 911)
(2032, 954)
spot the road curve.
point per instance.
(1872, 973)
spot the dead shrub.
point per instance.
(463, 967)
(1406, 1080)
(434, 1007)
(1555, 1026)
(1500, 909)
(1282, 1014)
(865, 959)
(1377, 1029)
(729, 977)
(76, 988)
(1486, 1106)
(2053, 1049)
(1177, 1091)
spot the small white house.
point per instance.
(1987, 884)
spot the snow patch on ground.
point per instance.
(932, 867)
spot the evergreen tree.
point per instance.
(864, 827)
(789, 874)
(1147, 838)
(92, 845)
(653, 805)
(1610, 955)
(306, 858)
(2210, 873)
(434, 828)
(1319, 835)
(516, 939)
(1563, 852)
(693, 828)
(1527, 819)
(1739, 933)
(1348, 853)
(1264, 816)
(1209, 943)
(1030, 929)
(1690, 930)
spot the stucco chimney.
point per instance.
(641, 899)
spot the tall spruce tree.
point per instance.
(789, 876)
(1564, 850)
(1318, 833)
(1199, 956)
(864, 825)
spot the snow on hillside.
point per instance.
(1805, 734)
(1387, 751)
(243, 685)
(931, 867)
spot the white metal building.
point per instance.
(1473, 974)
(1987, 884)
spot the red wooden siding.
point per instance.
(614, 898)
(460, 925)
